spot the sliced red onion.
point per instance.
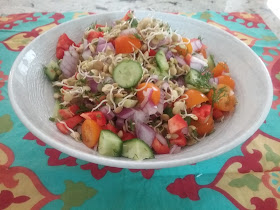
(181, 81)
(140, 117)
(147, 95)
(150, 108)
(197, 63)
(161, 139)
(126, 113)
(165, 41)
(129, 31)
(160, 106)
(93, 85)
(101, 40)
(175, 149)
(180, 60)
(168, 55)
(185, 131)
(196, 45)
(108, 113)
(104, 47)
(199, 56)
(213, 81)
(95, 147)
(69, 63)
(86, 51)
(119, 123)
(165, 86)
(73, 52)
(145, 133)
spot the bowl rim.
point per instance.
(126, 163)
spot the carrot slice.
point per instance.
(90, 133)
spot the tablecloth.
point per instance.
(34, 175)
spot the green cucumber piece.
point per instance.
(109, 144)
(137, 149)
(192, 77)
(211, 62)
(52, 71)
(129, 103)
(127, 73)
(162, 61)
(161, 74)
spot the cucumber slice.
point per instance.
(127, 73)
(195, 80)
(192, 77)
(129, 103)
(52, 71)
(162, 61)
(211, 62)
(136, 149)
(109, 144)
(161, 74)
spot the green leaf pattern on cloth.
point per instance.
(76, 194)
(6, 124)
(248, 180)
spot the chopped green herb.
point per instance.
(52, 119)
(218, 94)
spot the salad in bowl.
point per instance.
(137, 88)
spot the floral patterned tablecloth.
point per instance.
(34, 175)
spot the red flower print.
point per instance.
(55, 161)
(7, 198)
(98, 173)
(185, 188)
(30, 136)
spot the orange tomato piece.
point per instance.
(90, 133)
(203, 51)
(155, 97)
(220, 68)
(224, 96)
(195, 97)
(184, 50)
(204, 128)
(127, 44)
(227, 80)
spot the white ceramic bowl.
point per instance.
(31, 94)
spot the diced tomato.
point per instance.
(68, 112)
(71, 123)
(180, 141)
(188, 58)
(74, 108)
(65, 113)
(99, 26)
(176, 123)
(96, 115)
(127, 15)
(127, 136)
(94, 34)
(110, 128)
(217, 114)
(66, 88)
(159, 147)
(202, 112)
(204, 128)
(152, 52)
(63, 44)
